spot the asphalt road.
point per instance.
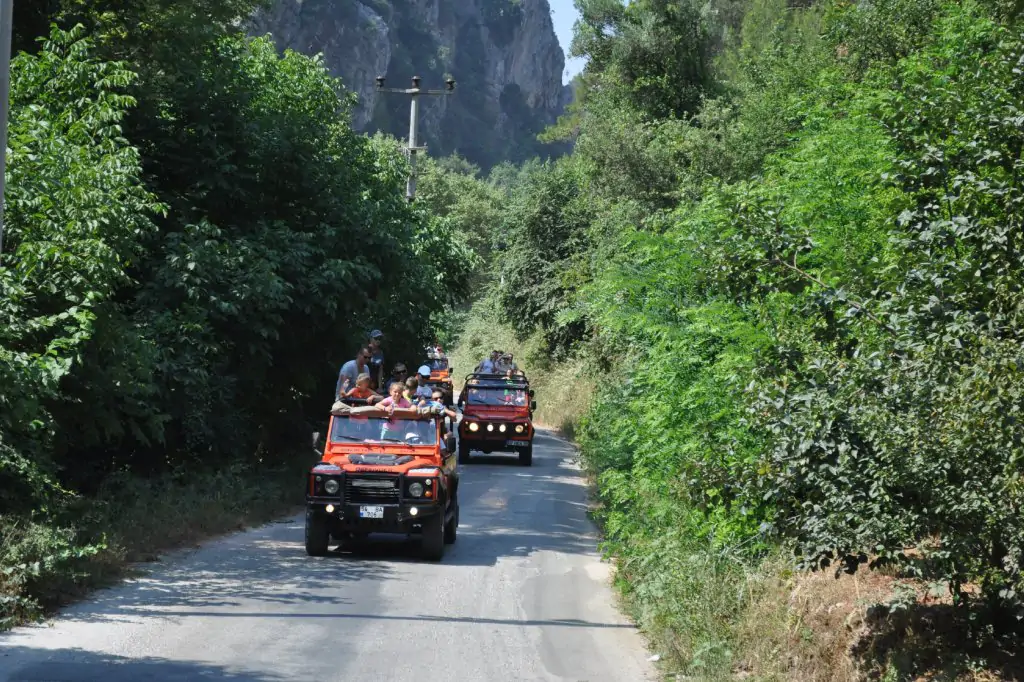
(522, 595)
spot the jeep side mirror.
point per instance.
(532, 393)
(449, 442)
(533, 405)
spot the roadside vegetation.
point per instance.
(774, 294)
(782, 267)
(195, 241)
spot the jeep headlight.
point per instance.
(473, 426)
(331, 486)
(490, 427)
(502, 428)
(519, 428)
(416, 490)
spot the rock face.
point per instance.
(503, 54)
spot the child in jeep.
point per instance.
(395, 399)
(363, 391)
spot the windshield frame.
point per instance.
(337, 436)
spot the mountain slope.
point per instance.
(503, 54)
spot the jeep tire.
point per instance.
(318, 535)
(451, 529)
(526, 456)
(433, 541)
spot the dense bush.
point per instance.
(802, 291)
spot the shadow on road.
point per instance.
(552, 622)
(507, 513)
(78, 665)
(268, 567)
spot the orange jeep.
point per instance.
(382, 474)
(440, 375)
(497, 415)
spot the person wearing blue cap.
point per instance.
(376, 359)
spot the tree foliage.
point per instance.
(794, 258)
(196, 240)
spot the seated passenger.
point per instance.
(419, 431)
(362, 390)
(399, 374)
(409, 390)
(423, 377)
(437, 400)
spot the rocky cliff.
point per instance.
(503, 54)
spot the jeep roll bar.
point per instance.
(358, 407)
(518, 376)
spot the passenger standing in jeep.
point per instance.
(395, 399)
(350, 371)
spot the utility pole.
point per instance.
(6, 25)
(414, 93)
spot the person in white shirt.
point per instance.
(422, 389)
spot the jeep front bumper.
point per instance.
(402, 517)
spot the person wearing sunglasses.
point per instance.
(350, 371)
(399, 374)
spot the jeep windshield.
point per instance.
(381, 430)
(497, 396)
(438, 364)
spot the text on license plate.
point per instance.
(371, 512)
(517, 442)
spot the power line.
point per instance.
(414, 93)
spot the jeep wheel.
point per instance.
(451, 529)
(526, 456)
(318, 535)
(463, 453)
(433, 541)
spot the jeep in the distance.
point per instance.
(383, 473)
(440, 374)
(497, 415)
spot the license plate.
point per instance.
(517, 442)
(371, 512)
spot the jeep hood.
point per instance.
(354, 457)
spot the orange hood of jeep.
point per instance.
(439, 375)
(391, 459)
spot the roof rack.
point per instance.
(353, 401)
(517, 380)
(343, 409)
(499, 375)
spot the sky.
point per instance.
(564, 15)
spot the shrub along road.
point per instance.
(522, 595)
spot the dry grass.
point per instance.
(800, 626)
(814, 627)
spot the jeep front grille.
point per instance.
(371, 489)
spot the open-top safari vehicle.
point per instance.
(440, 374)
(384, 473)
(497, 415)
